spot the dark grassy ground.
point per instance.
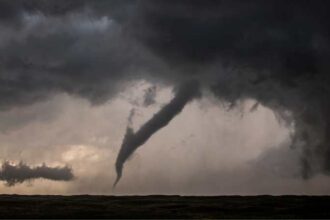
(84, 206)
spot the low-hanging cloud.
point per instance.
(13, 174)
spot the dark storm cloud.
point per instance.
(11, 11)
(254, 32)
(21, 172)
(77, 54)
(276, 52)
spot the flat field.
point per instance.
(156, 206)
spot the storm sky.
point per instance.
(84, 84)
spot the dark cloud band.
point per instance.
(22, 172)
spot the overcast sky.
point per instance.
(187, 97)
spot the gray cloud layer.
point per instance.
(276, 52)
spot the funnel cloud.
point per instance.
(185, 93)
